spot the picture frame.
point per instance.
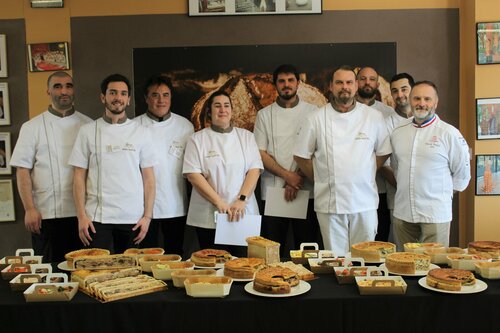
(7, 208)
(5, 168)
(4, 104)
(488, 174)
(488, 43)
(43, 57)
(3, 56)
(488, 118)
(253, 7)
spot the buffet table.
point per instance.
(327, 306)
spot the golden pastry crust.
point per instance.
(261, 241)
(210, 257)
(407, 262)
(148, 251)
(372, 251)
(70, 256)
(242, 268)
(450, 279)
(275, 280)
(490, 247)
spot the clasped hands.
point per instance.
(234, 212)
(293, 183)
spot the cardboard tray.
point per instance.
(7, 274)
(303, 254)
(178, 277)
(166, 273)
(467, 264)
(147, 261)
(357, 271)
(382, 290)
(326, 265)
(53, 295)
(39, 271)
(20, 253)
(208, 286)
(488, 270)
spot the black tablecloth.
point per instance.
(328, 306)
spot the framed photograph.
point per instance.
(4, 104)
(488, 43)
(7, 211)
(45, 57)
(488, 118)
(3, 56)
(5, 168)
(488, 175)
(253, 7)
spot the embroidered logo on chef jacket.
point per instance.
(129, 147)
(433, 142)
(462, 141)
(212, 153)
(176, 149)
(361, 136)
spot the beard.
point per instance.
(422, 114)
(63, 104)
(367, 92)
(115, 108)
(344, 97)
(287, 95)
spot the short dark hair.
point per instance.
(208, 104)
(57, 74)
(286, 68)
(157, 80)
(427, 83)
(401, 76)
(114, 78)
(342, 68)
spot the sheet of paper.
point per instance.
(235, 233)
(276, 205)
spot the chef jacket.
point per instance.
(169, 140)
(275, 131)
(113, 155)
(343, 148)
(224, 160)
(430, 162)
(44, 146)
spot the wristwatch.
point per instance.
(242, 197)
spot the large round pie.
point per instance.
(210, 257)
(407, 262)
(70, 256)
(242, 268)
(450, 279)
(275, 280)
(372, 251)
(491, 247)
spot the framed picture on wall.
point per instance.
(5, 168)
(43, 57)
(488, 43)
(3, 56)
(488, 118)
(253, 7)
(488, 175)
(4, 104)
(7, 211)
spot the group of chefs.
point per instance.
(117, 183)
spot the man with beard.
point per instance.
(44, 178)
(340, 147)
(170, 134)
(114, 183)
(431, 161)
(275, 129)
(368, 84)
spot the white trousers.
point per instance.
(340, 231)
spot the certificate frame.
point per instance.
(253, 7)
(3, 56)
(487, 175)
(4, 104)
(488, 43)
(7, 210)
(5, 168)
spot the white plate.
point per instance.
(417, 273)
(221, 273)
(477, 288)
(217, 266)
(63, 266)
(302, 288)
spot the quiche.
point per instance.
(490, 247)
(70, 256)
(374, 251)
(242, 268)
(407, 262)
(450, 279)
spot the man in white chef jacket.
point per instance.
(114, 183)
(170, 133)
(275, 129)
(340, 147)
(368, 84)
(431, 161)
(44, 178)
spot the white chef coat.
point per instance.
(115, 190)
(44, 146)
(275, 131)
(224, 160)
(430, 162)
(392, 122)
(169, 139)
(386, 111)
(343, 148)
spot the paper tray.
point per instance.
(31, 294)
(379, 290)
(488, 270)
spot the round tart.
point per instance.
(407, 262)
(210, 257)
(70, 256)
(450, 279)
(372, 251)
(490, 247)
(275, 280)
(242, 268)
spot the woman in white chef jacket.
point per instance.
(223, 164)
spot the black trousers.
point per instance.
(57, 237)
(304, 231)
(206, 239)
(114, 237)
(384, 219)
(172, 230)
